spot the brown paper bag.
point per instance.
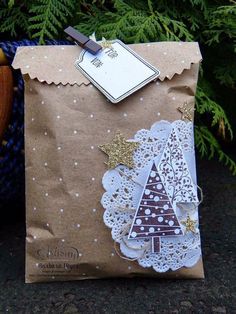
(66, 119)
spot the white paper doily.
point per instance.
(123, 187)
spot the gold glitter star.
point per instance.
(189, 224)
(105, 43)
(186, 111)
(119, 151)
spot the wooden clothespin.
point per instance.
(82, 40)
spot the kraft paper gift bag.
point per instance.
(111, 189)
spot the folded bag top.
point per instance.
(79, 214)
(55, 64)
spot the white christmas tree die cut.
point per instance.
(174, 172)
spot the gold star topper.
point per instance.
(105, 43)
(186, 111)
(119, 151)
(189, 224)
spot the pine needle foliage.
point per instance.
(211, 23)
(222, 24)
(206, 105)
(49, 16)
(14, 19)
(208, 145)
(135, 24)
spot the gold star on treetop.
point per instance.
(186, 111)
(105, 43)
(189, 224)
(119, 151)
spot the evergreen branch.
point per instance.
(226, 73)
(11, 3)
(206, 105)
(221, 23)
(174, 30)
(134, 25)
(13, 19)
(208, 147)
(150, 6)
(49, 17)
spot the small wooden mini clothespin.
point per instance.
(82, 40)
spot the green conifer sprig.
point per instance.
(206, 105)
(226, 73)
(48, 17)
(208, 145)
(221, 24)
(14, 19)
(134, 25)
